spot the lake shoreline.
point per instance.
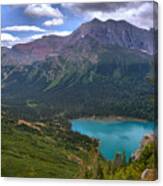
(111, 118)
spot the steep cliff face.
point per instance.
(118, 33)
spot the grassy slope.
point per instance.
(27, 153)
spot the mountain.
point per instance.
(119, 33)
(102, 68)
(106, 33)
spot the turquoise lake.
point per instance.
(114, 136)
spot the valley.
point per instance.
(103, 69)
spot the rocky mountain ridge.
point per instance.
(90, 35)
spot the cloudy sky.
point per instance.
(24, 23)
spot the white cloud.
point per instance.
(60, 33)
(45, 10)
(140, 14)
(42, 10)
(132, 15)
(9, 40)
(38, 36)
(8, 37)
(24, 28)
(53, 22)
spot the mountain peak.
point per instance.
(117, 21)
(110, 22)
(96, 20)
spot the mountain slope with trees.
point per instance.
(102, 68)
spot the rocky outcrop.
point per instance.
(149, 175)
(149, 138)
(34, 126)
